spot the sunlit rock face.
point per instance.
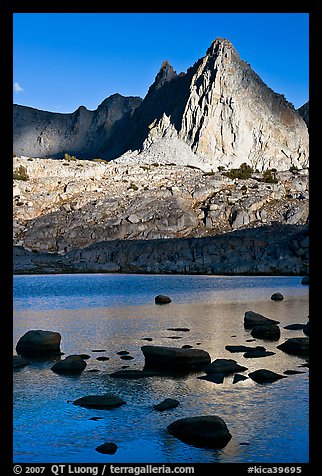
(223, 111)
(233, 117)
(219, 112)
(72, 204)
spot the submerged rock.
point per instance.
(264, 375)
(179, 329)
(305, 280)
(243, 348)
(306, 329)
(100, 402)
(133, 374)
(216, 377)
(172, 357)
(224, 366)
(266, 332)
(255, 354)
(294, 327)
(204, 431)
(166, 404)
(277, 297)
(107, 448)
(39, 342)
(73, 364)
(253, 319)
(296, 346)
(19, 362)
(292, 372)
(162, 299)
(239, 378)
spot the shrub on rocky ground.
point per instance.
(21, 173)
(69, 157)
(243, 172)
(269, 176)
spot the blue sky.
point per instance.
(64, 60)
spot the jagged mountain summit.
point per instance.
(218, 113)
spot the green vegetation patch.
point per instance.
(21, 173)
(244, 172)
(269, 176)
(69, 158)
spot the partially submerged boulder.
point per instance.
(108, 448)
(19, 362)
(252, 319)
(203, 431)
(169, 358)
(73, 364)
(133, 374)
(216, 377)
(294, 327)
(242, 348)
(306, 329)
(277, 297)
(39, 342)
(162, 299)
(239, 378)
(224, 366)
(265, 376)
(166, 404)
(100, 402)
(266, 332)
(255, 354)
(298, 346)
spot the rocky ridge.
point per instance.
(75, 216)
(83, 132)
(64, 205)
(217, 113)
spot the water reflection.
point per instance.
(272, 418)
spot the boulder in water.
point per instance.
(265, 376)
(100, 402)
(266, 332)
(39, 342)
(170, 358)
(73, 364)
(252, 319)
(162, 299)
(224, 366)
(166, 404)
(204, 431)
(296, 346)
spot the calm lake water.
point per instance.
(115, 312)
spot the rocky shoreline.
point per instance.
(266, 250)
